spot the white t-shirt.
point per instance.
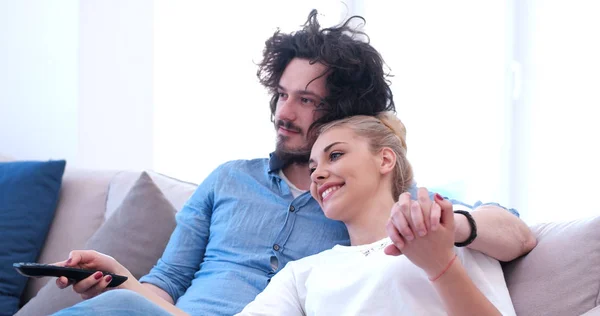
(345, 281)
(293, 189)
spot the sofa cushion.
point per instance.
(176, 191)
(29, 193)
(135, 235)
(561, 275)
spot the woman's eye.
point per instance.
(311, 170)
(282, 95)
(335, 155)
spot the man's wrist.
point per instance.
(472, 229)
(462, 229)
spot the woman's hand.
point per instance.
(97, 282)
(423, 230)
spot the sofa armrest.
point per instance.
(561, 275)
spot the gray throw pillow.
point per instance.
(561, 275)
(135, 235)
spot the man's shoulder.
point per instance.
(244, 164)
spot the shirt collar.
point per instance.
(275, 164)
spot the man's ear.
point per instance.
(388, 160)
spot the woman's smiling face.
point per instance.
(345, 173)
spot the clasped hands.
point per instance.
(423, 230)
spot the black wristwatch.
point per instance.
(473, 234)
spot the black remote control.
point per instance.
(41, 270)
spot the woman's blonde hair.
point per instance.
(384, 130)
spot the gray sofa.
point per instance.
(561, 276)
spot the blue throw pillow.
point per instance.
(28, 198)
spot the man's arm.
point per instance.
(500, 234)
(175, 270)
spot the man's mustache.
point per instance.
(288, 125)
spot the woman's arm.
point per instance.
(153, 296)
(434, 253)
(160, 292)
(97, 283)
(458, 292)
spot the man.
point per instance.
(249, 218)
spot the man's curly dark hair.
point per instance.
(356, 81)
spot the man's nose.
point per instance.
(286, 110)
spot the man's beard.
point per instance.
(291, 155)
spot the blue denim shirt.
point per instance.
(240, 227)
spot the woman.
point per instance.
(358, 165)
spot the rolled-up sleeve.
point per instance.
(184, 253)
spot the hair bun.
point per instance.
(390, 120)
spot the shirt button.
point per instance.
(292, 208)
(276, 247)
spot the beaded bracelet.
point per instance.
(445, 269)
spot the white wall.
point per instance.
(38, 76)
(77, 82)
(115, 78)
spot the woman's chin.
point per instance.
(332, 212)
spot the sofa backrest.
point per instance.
(4, 158)
(87, 199)
(80, 212)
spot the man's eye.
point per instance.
(306, 100)
(335, 155)
(282, 95)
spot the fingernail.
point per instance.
(438, 197)
(410, 237)
(69, 261)
(108, 278)
(421, 233)
(98, 275)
